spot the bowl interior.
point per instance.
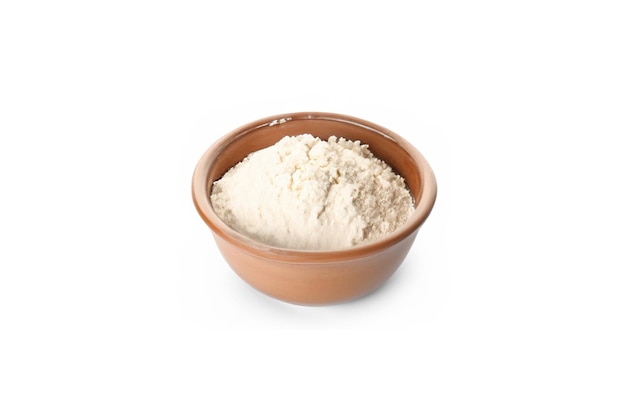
(384, 144)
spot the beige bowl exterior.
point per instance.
(314, 277)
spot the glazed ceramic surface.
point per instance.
(314, 277)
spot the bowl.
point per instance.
(313, 277)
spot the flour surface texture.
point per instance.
(307, 193)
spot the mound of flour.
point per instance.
(307, 193)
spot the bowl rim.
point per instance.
(424, 202)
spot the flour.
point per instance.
(306, 193)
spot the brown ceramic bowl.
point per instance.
(314, 277)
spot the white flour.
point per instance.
(306, 193)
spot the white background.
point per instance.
(114, 300)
